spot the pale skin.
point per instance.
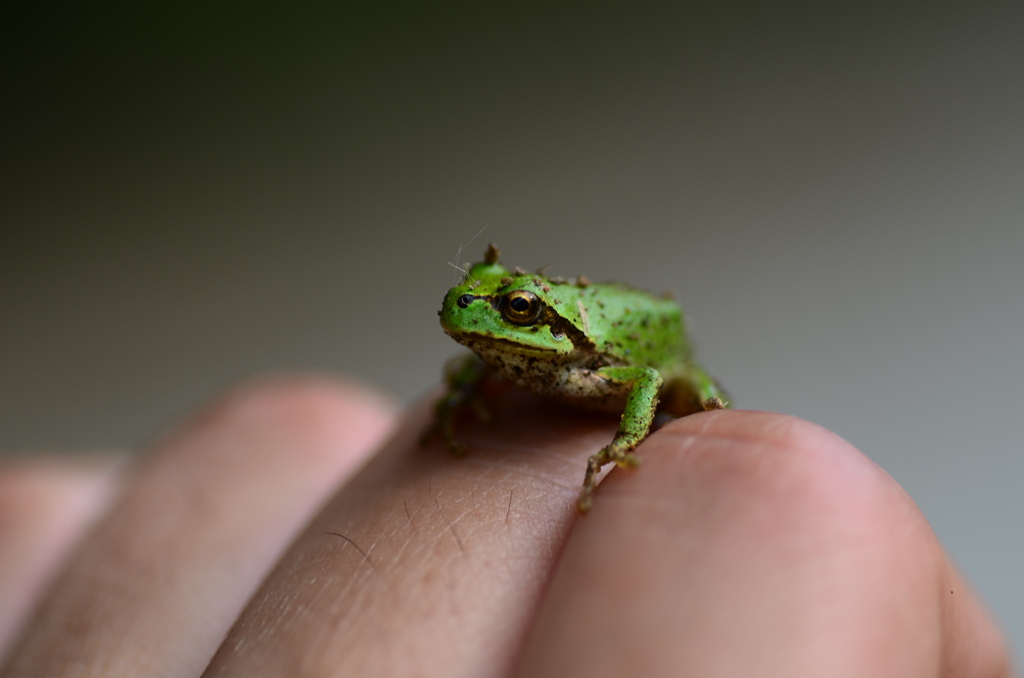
(744, 544)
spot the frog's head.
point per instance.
(498, 313)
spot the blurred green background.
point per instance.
(192, 193)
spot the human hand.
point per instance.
(746, 544)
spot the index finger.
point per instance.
(757, 544)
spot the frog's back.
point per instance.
(634, 326)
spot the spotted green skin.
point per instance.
(601, 346)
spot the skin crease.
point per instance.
(747, 543)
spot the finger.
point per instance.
(972, 643)
(156, 585)
(755, 544)
(46, 501)
(425, 564)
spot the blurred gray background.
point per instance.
(193, 193)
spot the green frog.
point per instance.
(601, 346)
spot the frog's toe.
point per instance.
(714, 403)
(585, 501)
(455, 447)
(626, 460)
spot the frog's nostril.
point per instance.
(465, 300)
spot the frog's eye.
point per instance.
(465, 300)
(521, 307)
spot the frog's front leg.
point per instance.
(463, 375)
(635, 424)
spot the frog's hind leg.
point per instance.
(641, 404)
(695, 391)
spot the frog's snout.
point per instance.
(457, 309)
(448, 310)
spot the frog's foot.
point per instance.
(626, 460)
(623, 458)
(456, 448)
(435, 432)
(463, 376)
(443, 427)
(714, 403)
(446, 410)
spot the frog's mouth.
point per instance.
(482, 342)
